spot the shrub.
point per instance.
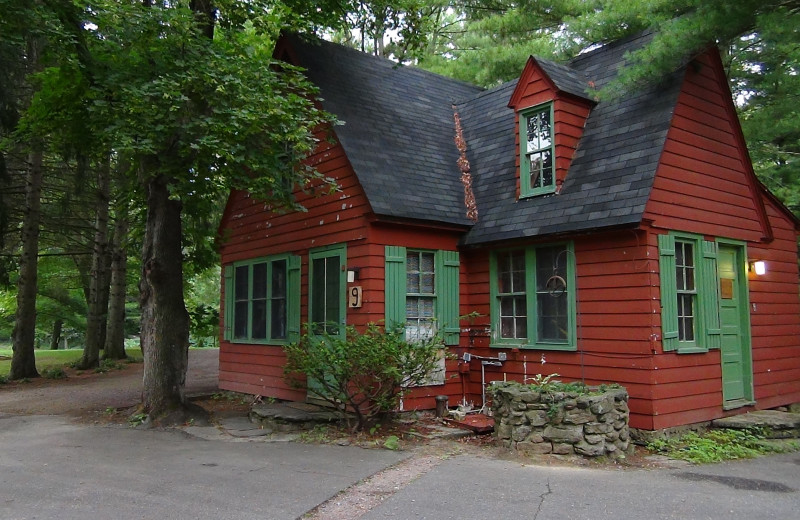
(363, 373)
(54, 373)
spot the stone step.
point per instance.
(291, 417)
(776, 424)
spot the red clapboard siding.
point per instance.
(775, 314)
(702, 184)
(613, 334)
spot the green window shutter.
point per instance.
(447, 269)
(227, 331)
(669, 292)
(395, 289)
(293, 297)
(709, 295)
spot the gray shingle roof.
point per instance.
(566, 78)
(611, 174)
(398, 129)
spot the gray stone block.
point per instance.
(604, 406)
(597, 427)
(521, 433)
(563, 433)
(578, 416)
(537, 417)
(594, 438)
(591, 450)
(563, 448)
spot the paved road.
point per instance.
(52, 468)
(468, 487)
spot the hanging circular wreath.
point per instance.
(556, 285)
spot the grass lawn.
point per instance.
(54, 358)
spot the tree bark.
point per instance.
(115, 331)
(23, 361)
(56, 339)
(165, 322)
(96, 318)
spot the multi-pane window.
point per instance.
(533, 297)
(259, 300)
(420, 294)
(537, 172)
(690, 293)
(686, 289)
(511, 294)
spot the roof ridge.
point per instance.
(610, 46)
(383, 61)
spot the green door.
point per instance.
(326, 296)
(735, 321)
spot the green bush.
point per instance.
(362, 373)
(54, 372)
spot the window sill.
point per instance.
(535, 346)
(264, 342)
(537, 193)
(691, 350)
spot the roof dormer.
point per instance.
(551, 104)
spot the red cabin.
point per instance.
(623, 241)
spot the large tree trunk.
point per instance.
(96, 318)
(115, 332)
(23, 361)
(165, 322)
(56, 338)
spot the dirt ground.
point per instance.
(87, 394)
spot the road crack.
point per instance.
(541, 500)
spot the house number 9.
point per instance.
(354, 300)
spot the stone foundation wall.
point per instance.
(590, 424)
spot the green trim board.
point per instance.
(262, 297)
(399, 293)
(533, 297)
(537, 171)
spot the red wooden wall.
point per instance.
(615, 321)
(704, 185)
(252, 231)
(775, 315)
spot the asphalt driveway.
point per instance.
(55, 468)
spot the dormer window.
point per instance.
(537, 163)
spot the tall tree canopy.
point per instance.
(185, 99)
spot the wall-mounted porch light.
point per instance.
(759, 267)
(352, 274)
